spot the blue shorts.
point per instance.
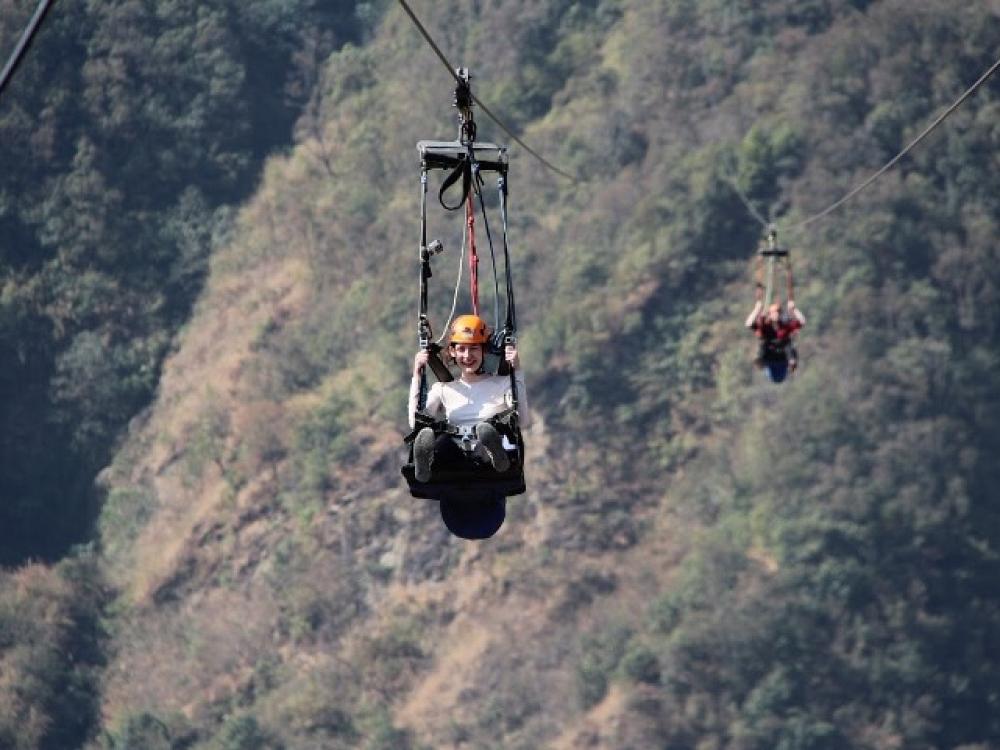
(776, 371)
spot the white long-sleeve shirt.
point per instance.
(465, 404)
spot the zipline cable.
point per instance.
(486, 110)
(24, 42)
(926, 131)
(746, 202)
(885, 168)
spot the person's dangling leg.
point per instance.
(423, 454)
(492, 443)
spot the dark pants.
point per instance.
(775, 358)
(776, 371)
(448, 456)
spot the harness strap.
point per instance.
(463, 170)
(440, 370)
(422, 420)
(423, 325)
(510, 324)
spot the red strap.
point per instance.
(470, 221)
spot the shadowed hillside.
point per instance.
(126, 137)
(702, 560)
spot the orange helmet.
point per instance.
(468, 329)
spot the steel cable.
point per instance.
(486, 110)
(926, 131)
(24, 42)
(746, 202)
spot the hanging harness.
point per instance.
(774, 256)
(776, 342)
(467, 159)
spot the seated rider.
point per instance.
(775, 331)
(468, 404)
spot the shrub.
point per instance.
(599, 657)
(640, 664)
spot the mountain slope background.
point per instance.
(702, 560)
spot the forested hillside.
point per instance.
(127, 138)
(212, 361)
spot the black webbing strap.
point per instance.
(422, 420)
(510, 324)
(463, 170)
(505, 419)
(438, 367)
(477, 185)
(423, 326)
(507, 423)
(511, 321)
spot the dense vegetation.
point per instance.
(703, 560)
(52, 650)
(125, 138)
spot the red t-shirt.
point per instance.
(782, 331)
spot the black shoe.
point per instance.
(423, 454)
(492, 443)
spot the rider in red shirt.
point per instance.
(775, 331)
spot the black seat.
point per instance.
(477, 481)
(473, 501)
